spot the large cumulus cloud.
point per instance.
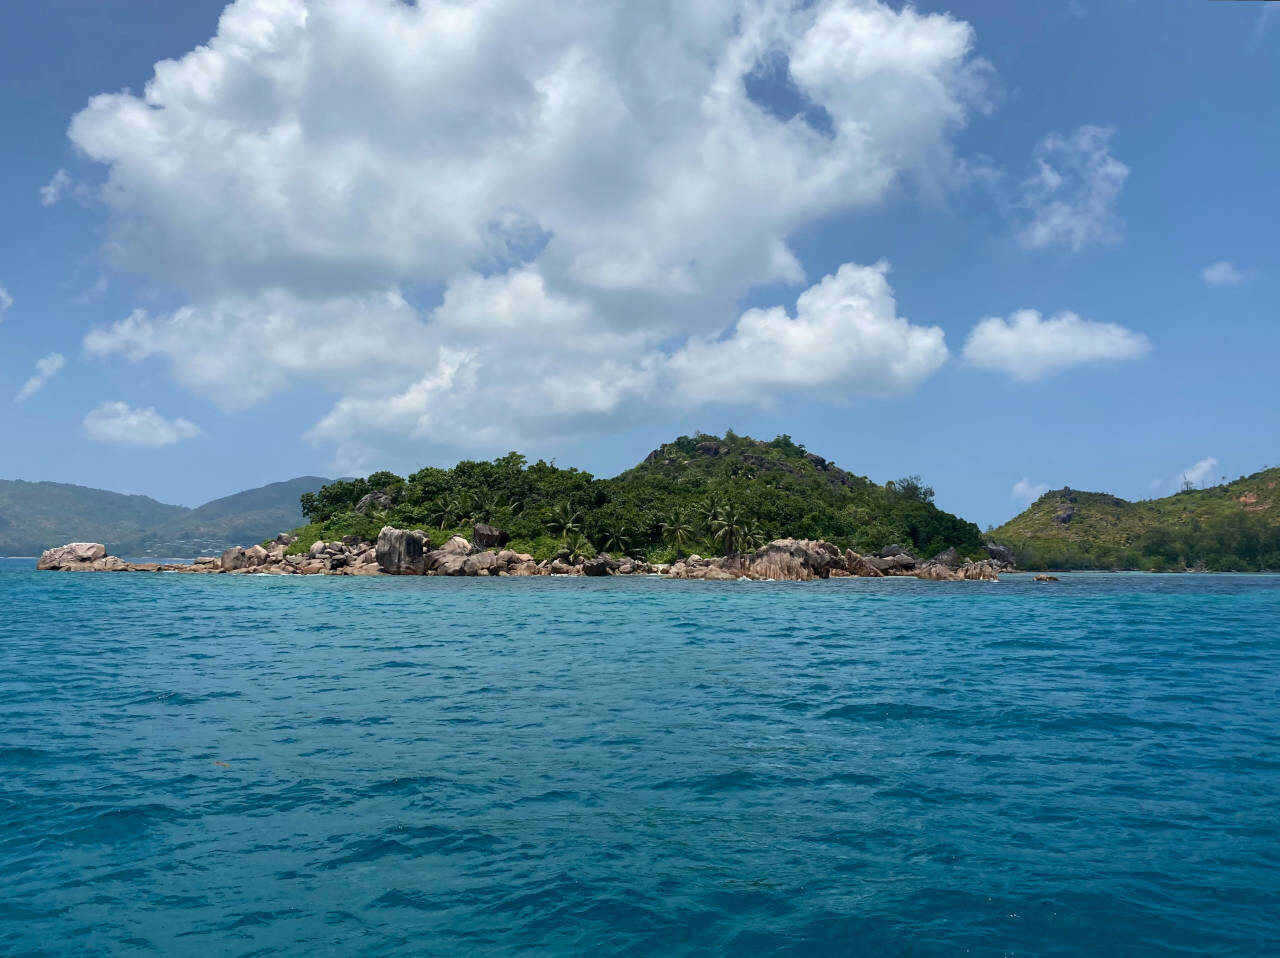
(591, 193)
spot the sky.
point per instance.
(1008, 247)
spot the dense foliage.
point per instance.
(703, 494)
(1233, 527)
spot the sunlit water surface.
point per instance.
(231, 765)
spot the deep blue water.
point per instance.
(229, 765)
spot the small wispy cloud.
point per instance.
(118, 422)
(1070, 199)
(1223, 274)
(52, 191)
(1024, 490)
(1200, 473)
(6, 301)
(46, 369)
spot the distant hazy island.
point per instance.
(704, 495)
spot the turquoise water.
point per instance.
(227, 765)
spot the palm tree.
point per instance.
(617, 540)
(678, 531)
(443, 511)
(708, 511)
(577, 545)
(486, 506)
(564, 522)
(752, 537)
(730, 529)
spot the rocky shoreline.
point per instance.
(410, 552)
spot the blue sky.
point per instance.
(355, 234)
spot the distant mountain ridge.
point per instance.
(35, 516)
(1230, 527)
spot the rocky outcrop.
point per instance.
(409, 552)
(947, 557)
(793, 560)
(375, 502)
(1000, 554)
(860, 566)
(601, 565)
(902, 564)
(398, 551)
(489, 537)
(888, 552)
(74, 555)
(976, 571)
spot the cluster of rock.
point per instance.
(410, 552)
(350, 556)
(92, 557)
(805, 559)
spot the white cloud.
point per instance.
(1223, 274)
(846, 337)
(52, 191)
(46, 369)
(119, 422)
(6, 302)
(1028, 347)
(1025, 490)
(1202, 472)
(602, 175)
(1069, 200)
(509, 360)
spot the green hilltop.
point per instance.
(1230, 527)
(705, 494)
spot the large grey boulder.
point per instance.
(796, 560)
(402, 551)
(490, 537)
(988, 569)
(1000, 553)
(72, 556)
(376, 501)
(482, 563)
(601, 565)
(233, 559)
(948, 557)
(457, 546)
(857, 565)
(255, 557)
(937, 572)
(888, 552)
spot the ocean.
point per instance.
(307, 766)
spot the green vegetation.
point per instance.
(35, 516)
(704, 494)
(1233, 527)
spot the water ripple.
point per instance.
(256, 766)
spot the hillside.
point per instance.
(1234, 526)
(35, 516)
(704, 494)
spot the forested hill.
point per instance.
(35, 516)
(705, 494)
(1230, 527)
